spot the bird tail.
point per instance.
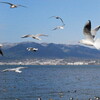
(97, 43)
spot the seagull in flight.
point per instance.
(34, 36)
(13, 5)
(57, 17)
(32, 49)
(14, 69)
(58, 27)
(90, 35)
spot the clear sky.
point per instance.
(34, 19)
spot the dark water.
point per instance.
(56, 82)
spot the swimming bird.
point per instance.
(32, 49)
(71, 98)
(96, 98)
(14, 69)
(57, 17)
(89, 36)
(13, 5)
(34, 36)
(58, 27)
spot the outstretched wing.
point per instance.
(57, 17)
(94, 31)
(25, 36)
(7, 3)
(22, 6)
(87, 31)
(62, 20)
(5, 70)
(56, 28)
(1, 52)
(40, 35)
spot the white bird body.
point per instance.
(90, 35)
(32, 49)
(86, 42)
(58, 27)
(14, 69)
(34, 36)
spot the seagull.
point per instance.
(97, 98)
(89, 36)
(14, 69)
(34, 36)
(57, 17)
(58, 27)
(13, 5)
(32, 49)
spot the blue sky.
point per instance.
(34, 19)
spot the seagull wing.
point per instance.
(1, 52)
(22, 6)
(57, 17)
(36, 37)
(87, 31)
(40, 35)
(35, 49)
(5, 70)
(94, 31)
(25, 36)
(30, 49)
(62, 20)
(7, 3)
(56, 28)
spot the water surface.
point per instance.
(56, 82)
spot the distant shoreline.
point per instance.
(51, 62)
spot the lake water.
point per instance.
(50, 82)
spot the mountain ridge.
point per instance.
(17, 51)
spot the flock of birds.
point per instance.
(37, 36)
(88, 33)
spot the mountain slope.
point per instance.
(18, 51)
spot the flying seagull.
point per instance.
(32, 49)
(89, 36)
(58, 27)
(13, 5)
(14, 69)
(57, 17)
(34, 36)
